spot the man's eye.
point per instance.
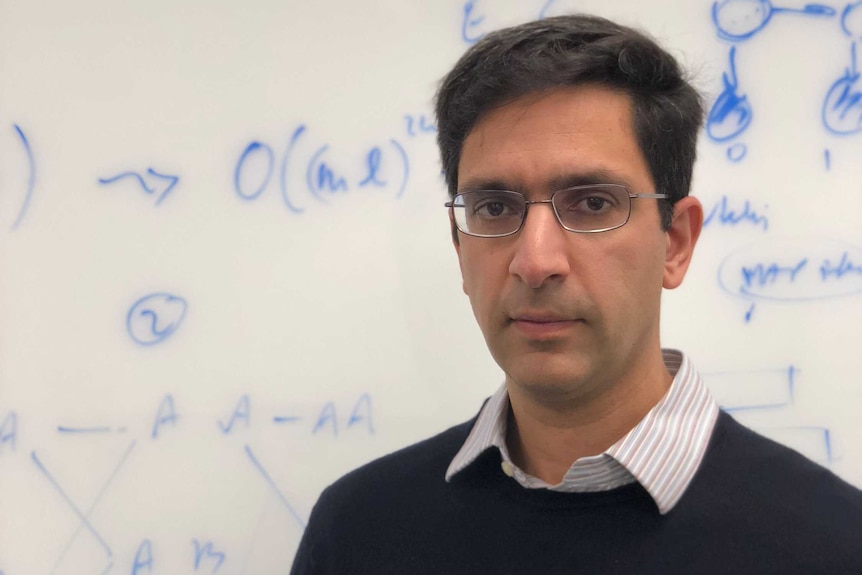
(496, 207)
(595, 203)
(492, 208)
(591, 203)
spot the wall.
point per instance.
(227, 276)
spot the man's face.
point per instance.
(566, 315)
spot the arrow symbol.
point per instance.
(153, 182)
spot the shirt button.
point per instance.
(507, 468)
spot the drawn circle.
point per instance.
(741, 19)
(155, 317)
(851, 20)
(736, 152)
(266, 173)
(842, 113)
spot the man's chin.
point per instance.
(547, 384)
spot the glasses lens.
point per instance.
(489, 212)
(592, 208)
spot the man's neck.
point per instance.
(544, 440)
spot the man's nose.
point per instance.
(541, 251)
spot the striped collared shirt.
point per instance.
(662, 452)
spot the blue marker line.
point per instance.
(64, 429)
(761, 275)
(275, 488)
(845, 17)
(282, 175)
(143, 317)
(827, 437)
(736, 152)
(122, 175)
(325, 176)
(31, 177)
(749, 313)
(77, 511)
(807, 10)
(406, 162)
(286, 419)
(731, 113)
(544, 10)
(844, 99)
(171, 182)
(107, 569)
(723, 214)
(372, 162)
(748, 17)
(791, 382)
(467, 22)
(237, 172)
(755, 407)
(843, 267)
(93, 505)
(206, 551)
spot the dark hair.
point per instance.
(574, 50)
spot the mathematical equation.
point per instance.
(205, 554)
(732, 113)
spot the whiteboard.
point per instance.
(226, 275)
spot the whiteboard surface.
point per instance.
(226, 276)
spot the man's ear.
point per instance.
(681, 238)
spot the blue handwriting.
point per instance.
(722, 214)
(738, 20)
(155, 317)
(157, 183)
(254, 171)
(9, 431)
(806, 273)
(361, 413)
(327, 419)
(207, 551)
(143, 558)
(842, 107)
(89, 430)
(31, 176)
(842, 268)
(543, 13)
(764, 274)
(83, 517)
(419, 125)
(242, 412)
(268, 479)
(731, 113)
(853, 9)
(102, 490)
(166, 414)
(468, 23)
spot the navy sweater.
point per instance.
(754, 506)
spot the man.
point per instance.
(568, 146)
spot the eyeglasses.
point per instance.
(584, 209)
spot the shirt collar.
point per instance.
(662, 452)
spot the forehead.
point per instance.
(544, 141)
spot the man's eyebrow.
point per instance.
(597, 176)
(561, 182)
(472, 184)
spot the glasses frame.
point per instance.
(527, 203)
